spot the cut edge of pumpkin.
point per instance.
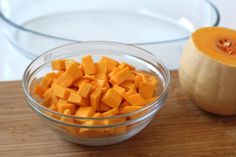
(216, 42)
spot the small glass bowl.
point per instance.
(123, 126)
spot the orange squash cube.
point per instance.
(128, 109)
(64, 80)
(101, 68)
(77, 99)
(151, 100)
(123, 75)
(124, 65)
(62, 105)
(68, 62)
(66, 119)
(111, 112)
(95, 98)
(131, 92)
(110, 63)
(60, 92)
(81, 81)
(38, 90)
(58, 65)
(85, 90)
(103, 107)
(112, 98)
(125, 103)
(48, 94)
(46, 81)
(73, 71)
(136, 100)
(146, 89)
(120, 90)
(88, 65)
(85, 111)
(137, 80)
(128, 85)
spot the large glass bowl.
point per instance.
(97, 135)
(160, 26)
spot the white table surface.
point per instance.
(13, 64)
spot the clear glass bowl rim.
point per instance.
(32, 102)
(13, 24)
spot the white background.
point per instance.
(12, 64)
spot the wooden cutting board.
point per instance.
(180, 129)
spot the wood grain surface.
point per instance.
(180, 129)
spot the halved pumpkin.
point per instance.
(208, 70)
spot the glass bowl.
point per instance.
(160, 26)
(97, 135)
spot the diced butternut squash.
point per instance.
(110, 63)
(95, 90)
(100, 83)
(97, 115)
(112, 98)
(71, 129)
(89, 77)
(101, 76)
(48, 94)
(125, 103)
(114, 71)
(73, 71)
(152, 79)
(137, 80)
(58, 65)
(38, 90)
(148, 77)
(131, 92)
(110, 113)
(59, 73)
(128, 85)
(53, 108)
(92, 132)
(124, 65)
(52, 74)
(85, 111)
(103, 107)
(146, 89)
(46, 81)
(64, 80)
(120, 90)
(81, 81)
(54, 100)
(77, 99)
(63, 105)
(136, 100)
(101, 68)
(95, 98)
(60, 91)
(151, 100)
(123, 75)
(128, 109)
(120, 130)
(66, 119)
(115, 120)
(45, 103)
(88, 65)
(85, 90)
(117, 130)
(68, 62)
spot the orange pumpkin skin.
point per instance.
(208, 74)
